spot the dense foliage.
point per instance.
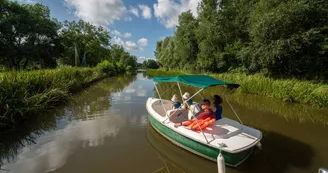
(280, 38)
(150, 63)
(31, 39)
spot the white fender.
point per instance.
(221, 164)
(323, 170)
(259, 145)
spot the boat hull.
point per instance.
(231, 159)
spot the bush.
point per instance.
(119, 67)
(129, 68)
(107, 67)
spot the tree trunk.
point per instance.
(76, 55)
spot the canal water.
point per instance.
(105, 129)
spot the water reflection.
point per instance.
(13, 141)
(55, 136)
(175, 159)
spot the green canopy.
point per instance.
(200, 81)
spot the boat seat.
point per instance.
(178, 115)
(194, 111)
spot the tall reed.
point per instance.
(23, 94)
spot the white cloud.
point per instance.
(167, 11)
(143, 42)
(116, 32)
(134, 11)
(119, 41)
(26, 1)
(145, 11)
(141, 59)
(128, 19)
(129, 45)
(98, 12)
(127, 35)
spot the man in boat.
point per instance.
(217, 108)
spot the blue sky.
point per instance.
(135, 24)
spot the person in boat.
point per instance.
(207, 113)
(175, 102)
(217, 108)
(207, 110)
(185, 97)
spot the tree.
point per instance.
(209, 38)
(289, 43)
(89, 40)
(280, 38)
(186, 43)
(28, 35)
(116, 52)
(152, 64)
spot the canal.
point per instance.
(104, 128)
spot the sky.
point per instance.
(135, 24)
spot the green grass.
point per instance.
(24, 94)
(290, 90)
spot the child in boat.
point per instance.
(217, 109)
(175, 102)
(185, 97)
(207, 113)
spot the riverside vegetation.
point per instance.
(278, 38)
(23, 94)
(286, 89)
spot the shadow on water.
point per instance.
(175, 159)
(85, 105)
(280, 153)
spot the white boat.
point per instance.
(233, 139)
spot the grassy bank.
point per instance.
(291, 90)
(24, 94)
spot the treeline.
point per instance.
(31, 39)
(279, 38)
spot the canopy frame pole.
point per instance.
(200, 94)
(180, 90)
(183, 103)
(200, 129)
(160, 98)
(195, 116)
(233, 110)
